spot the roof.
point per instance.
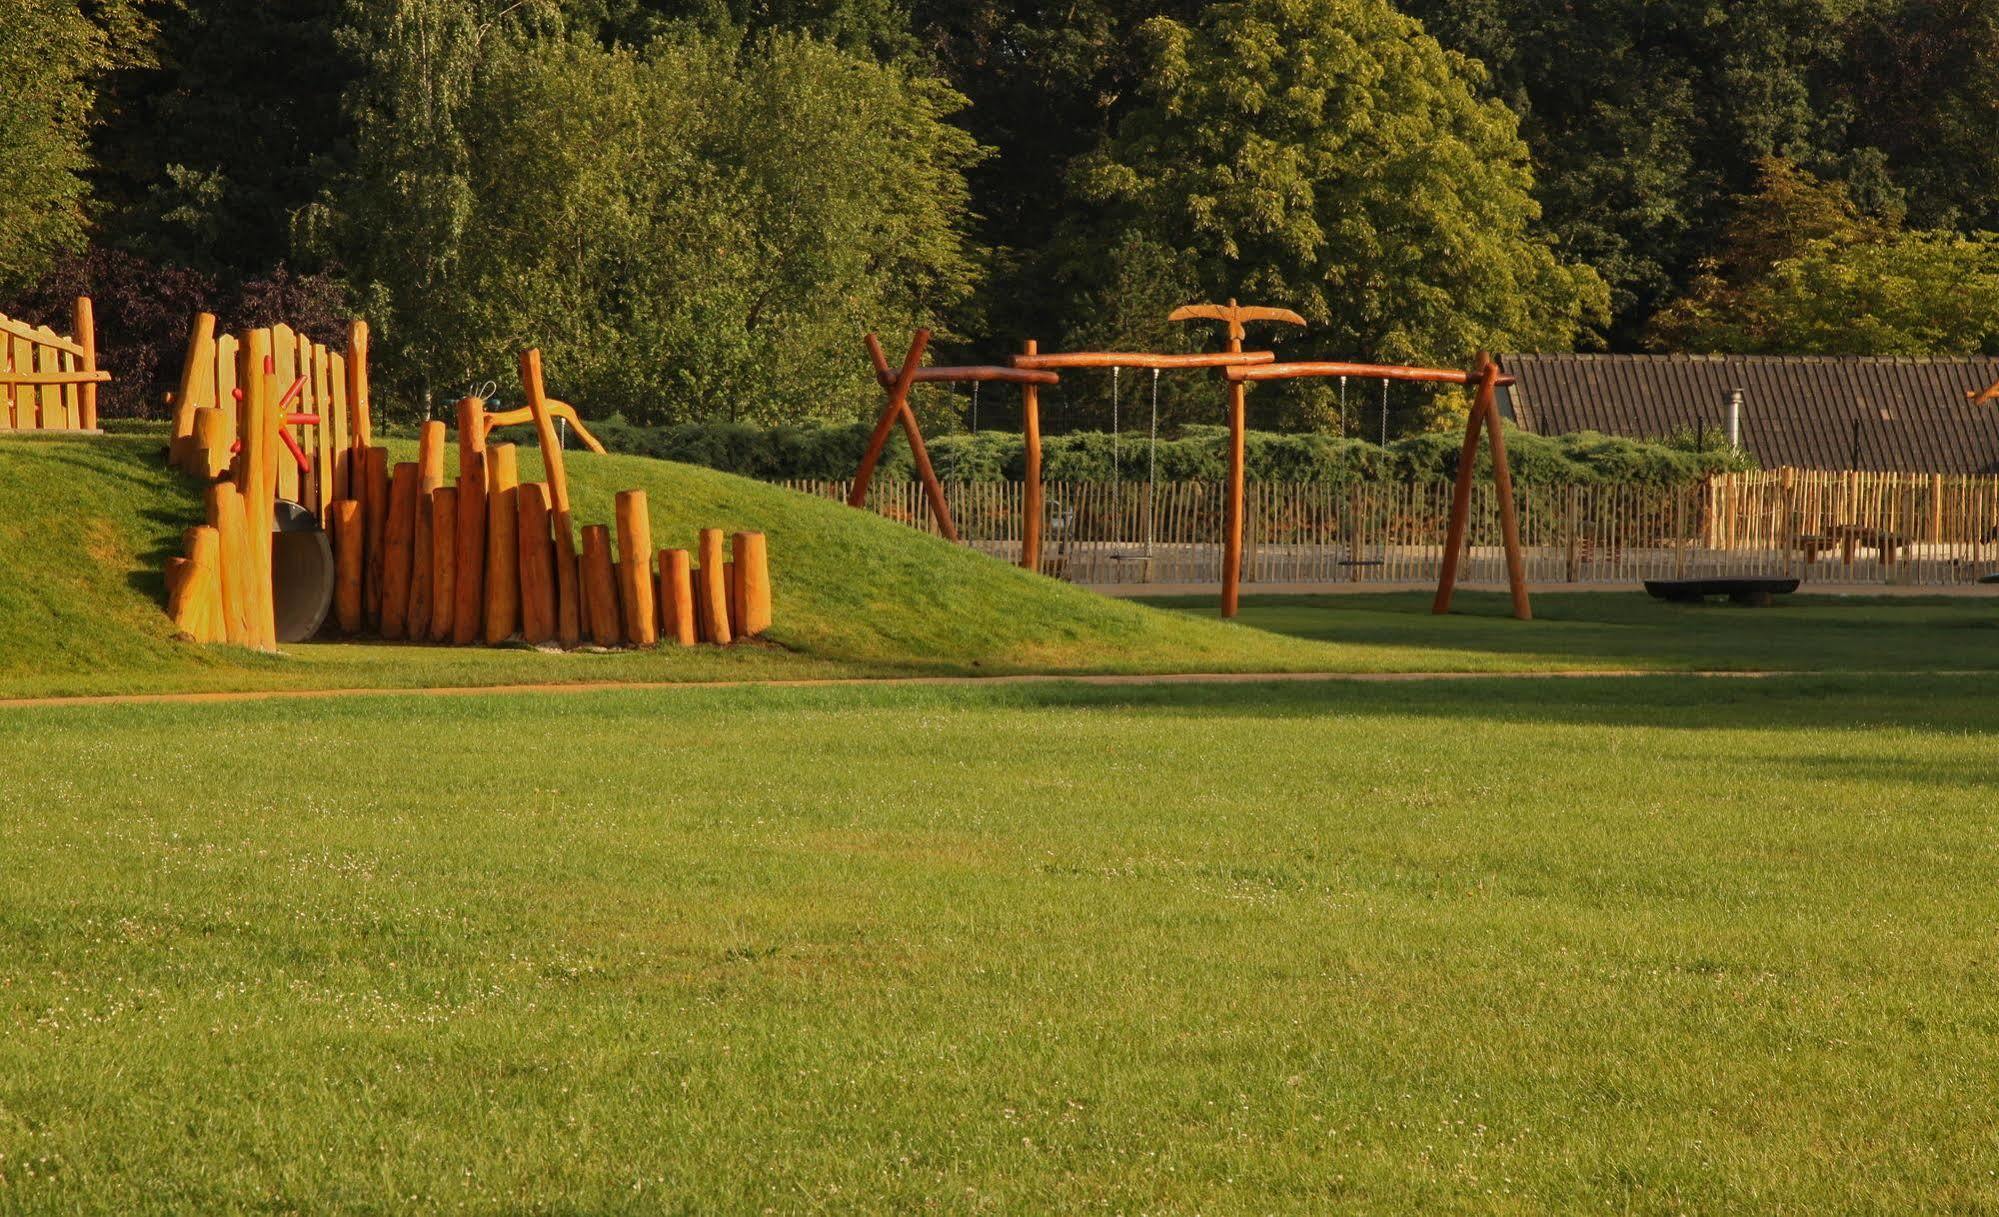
(1811, 411)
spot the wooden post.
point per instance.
(430, 476)
(635, 581)
(225, 515)
(898, 401)
(208, 454)
(194, 597)
(752, 583)
(375, 526)
(443, 562)
(503, 587)
(711, 592)
(398, 544)
(537, 564)
(1030, 502)
(933, 490)
(187, 397)
(349, 549)
(1936, 507)
(359, 431)
(676, 595)
(85, 335)
(254, 483)
(568, 623)
(1454, 535)
(600, 588)
(1233, 523)
(469, 595)
(1487, 401)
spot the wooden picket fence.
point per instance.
(48, 382)
(1813, 525)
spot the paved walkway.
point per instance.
(1106, 680)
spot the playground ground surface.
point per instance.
(1652, 944)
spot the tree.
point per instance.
(1328, 156)
(699, 229)
(48, 51)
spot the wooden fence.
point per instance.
(48, 382)
(1830, 527)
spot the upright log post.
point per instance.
(1232, 537)
(537, 562)
(348, 551)
(443, 562)
(568, 623)
(752, 565)
(207, 453)
(503, 587)
(676, 595)
(200, 355)
(430, 476)
(711, 591)
(85, 336)
(359, 410)
(254, 483)
(225, 514)
(1454, 533)
(1030, 496)
(600, 587)
(469, 593)
(898, 401)
(398, 549)
(374, 526)
(635, 580)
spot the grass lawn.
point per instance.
(1652, 946)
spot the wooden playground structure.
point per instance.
(279, 428)
(1033, 369)
(48, 382)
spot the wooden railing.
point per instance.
(1828, 527)
(48, 382)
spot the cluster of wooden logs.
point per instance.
(48, 382)
(485, 559)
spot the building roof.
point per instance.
(1809, 411)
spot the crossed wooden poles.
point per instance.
(1032, 369)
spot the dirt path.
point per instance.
(1112, 680)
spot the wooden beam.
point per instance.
(1143, 359)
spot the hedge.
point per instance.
(1197, 454)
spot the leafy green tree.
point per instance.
(1328, 156)
(699, 229)
(48, 52)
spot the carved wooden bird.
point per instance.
(1235, 314)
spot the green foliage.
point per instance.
(1328, 156)
(1195, 454)
(700, 229)
(48, 51)
(1803, 271)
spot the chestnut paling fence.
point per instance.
(1832, 527)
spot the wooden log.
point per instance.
(1232, 522)
(397, 550)
(349, 548)
(635, 579)
(346, 457)
(195, 595)
(600, 587)
(469, 607)
(443, 562)
(537, 565)
(259, 437)
(207, 455)
(1030, 503)
(1487, 401)
(676, 596)
(84, 333)
(359, 426)
(284, 370)
(374, 496)
(1454, 534)
(753, 583)
(735, 594)
(225, 514)
(503, 586)
(188, 397)
(430, 476)
(711, 590)
(568, 615)
(898, 401)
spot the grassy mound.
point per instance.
(86, 525)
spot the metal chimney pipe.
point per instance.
(1735, 418)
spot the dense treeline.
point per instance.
(1197, 454)
(693, 206)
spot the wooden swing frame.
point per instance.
(1485, 378)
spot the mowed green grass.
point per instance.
(1650, 946)
(1628, 630)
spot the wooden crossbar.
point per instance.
(1142, 359)
(41, 337)
(556, 409)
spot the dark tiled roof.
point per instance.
(1811, 411)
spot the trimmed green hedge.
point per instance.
(1198, 454)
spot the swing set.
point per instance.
(1239, 368)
